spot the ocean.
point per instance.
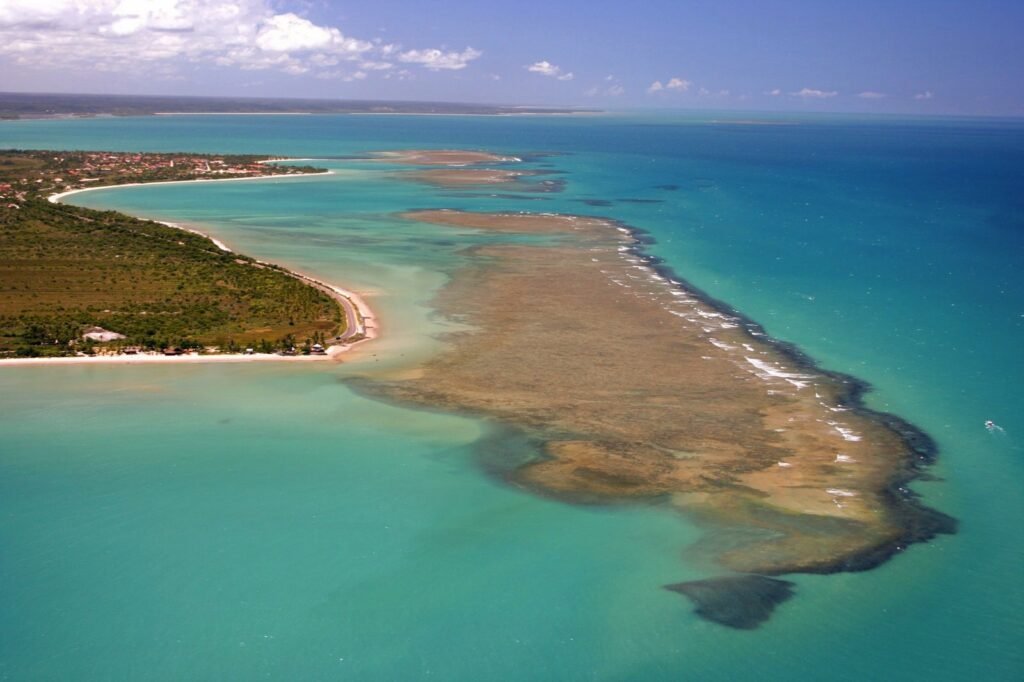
(239, 522)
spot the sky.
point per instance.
(884, 56)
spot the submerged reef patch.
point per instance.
(742, 602)
(632, 386)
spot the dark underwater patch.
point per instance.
(742, 602)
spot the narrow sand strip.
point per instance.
(56, 198)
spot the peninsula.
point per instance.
(78, 282)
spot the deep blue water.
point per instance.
(889, 249)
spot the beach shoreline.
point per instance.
(356, 310)
(56, 198)
(159, 358)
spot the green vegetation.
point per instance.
(64, 269)
(25, 174)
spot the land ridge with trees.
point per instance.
(66, 270)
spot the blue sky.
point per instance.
(905, 56)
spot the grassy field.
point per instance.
(64, 269)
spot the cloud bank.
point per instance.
(811, 93)
(163, 37)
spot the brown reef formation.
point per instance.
(441, 157)
(461, 169)
(640, 388)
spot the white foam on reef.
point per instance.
(847, 434)
(705, 313)
(706, 318)
(767, 371)
(839, 492)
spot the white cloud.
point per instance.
(164, 36)
(811, 93)
(545, 68)
(704, 92)
(870, 94)
(436, 60)
(292, 33)
(927, 94)
(677, 84)
(774, 93)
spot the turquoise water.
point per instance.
(243, 522)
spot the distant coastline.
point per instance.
(17, 105)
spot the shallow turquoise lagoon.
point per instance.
(246, 522)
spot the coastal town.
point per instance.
(28, 174)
